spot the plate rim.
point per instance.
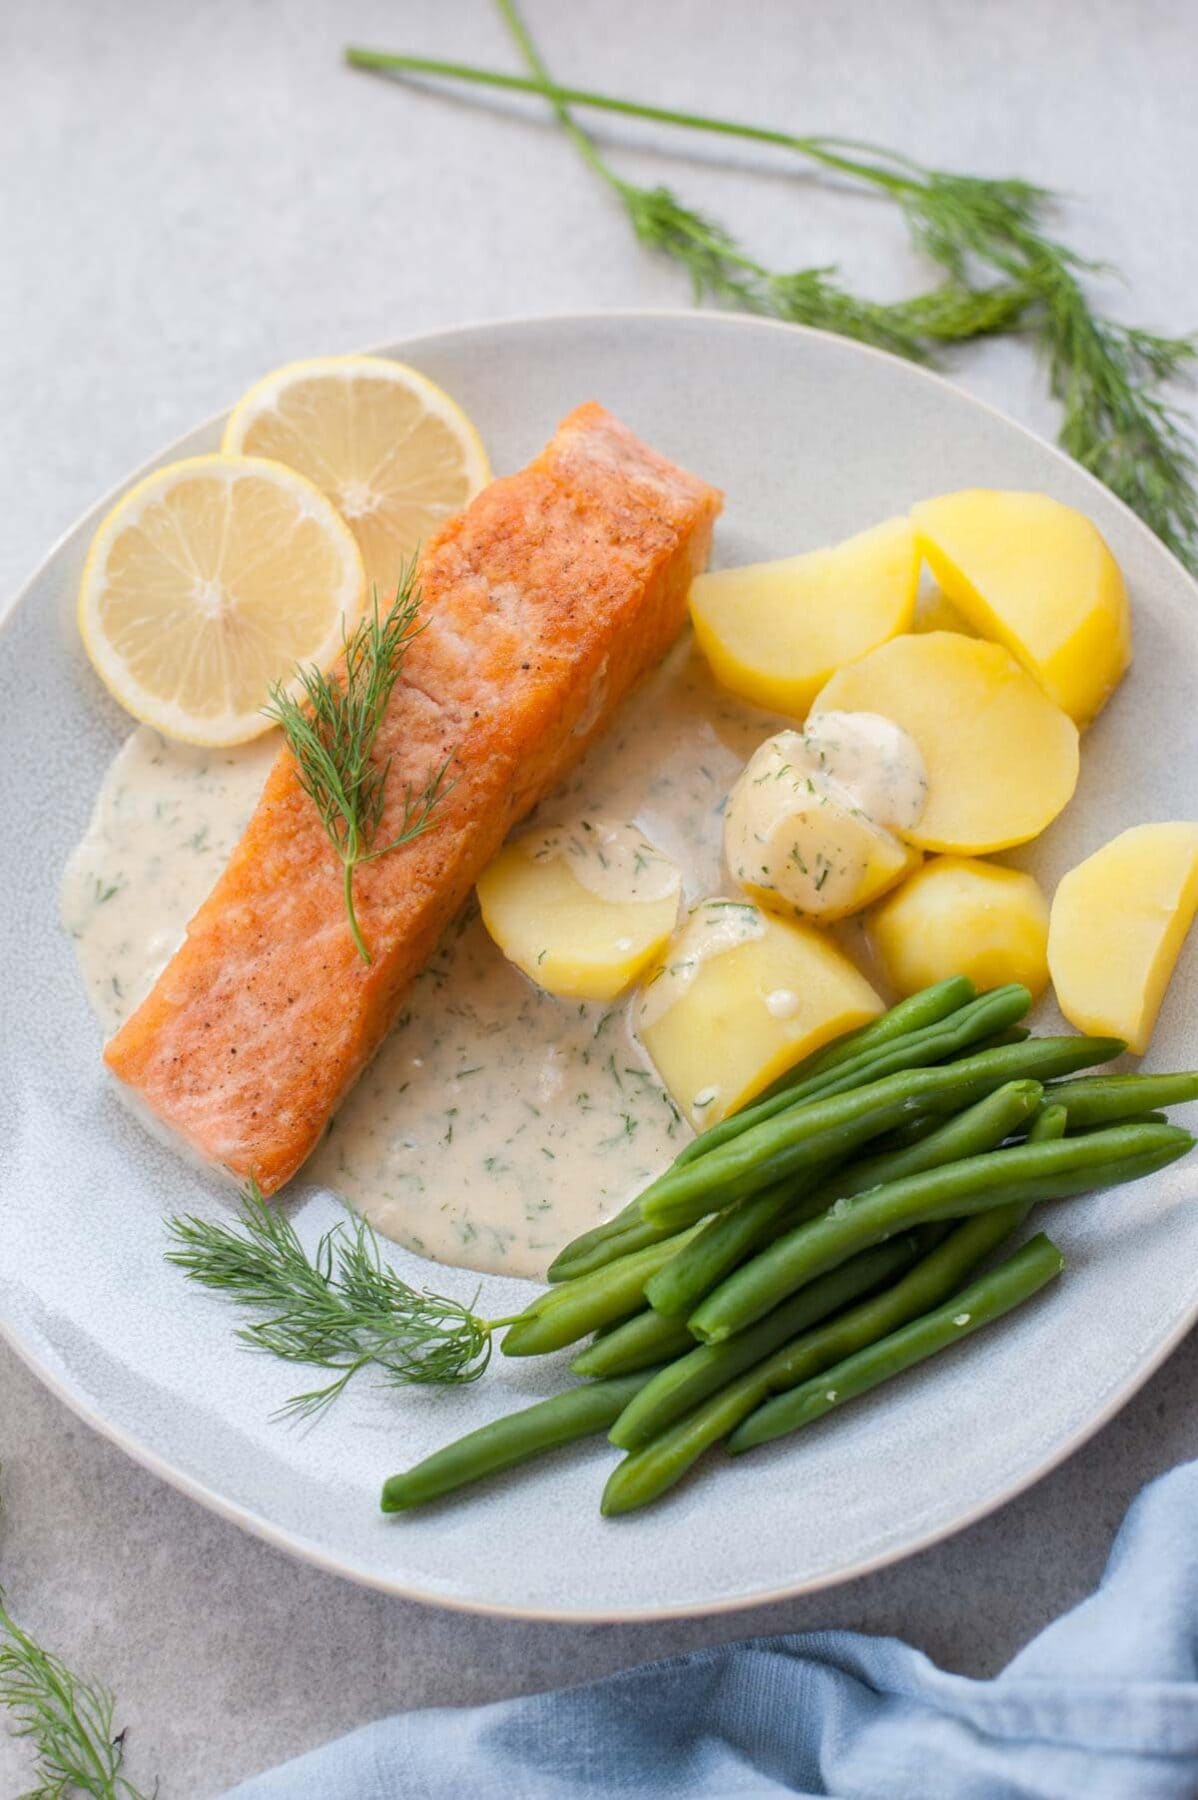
(291, 1542)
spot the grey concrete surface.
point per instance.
(195, 193)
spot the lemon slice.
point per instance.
(392, 451)
(212, 579)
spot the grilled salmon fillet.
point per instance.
(543, 603)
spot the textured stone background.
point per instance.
(195, 193)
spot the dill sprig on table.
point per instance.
(721, 270)
(1109, 377)
(331, 730)
(68, 1721)
(341, 1308)
(1002, 273)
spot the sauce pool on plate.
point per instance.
(497, 1122)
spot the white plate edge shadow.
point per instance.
(295, 1544)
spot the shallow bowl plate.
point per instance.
(811, 438)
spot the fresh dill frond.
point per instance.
(69, 1722)
(720, 270)
(955, 312)
(1111, 379)
(331, 730)
(341, 1308)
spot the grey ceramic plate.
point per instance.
(811, 438)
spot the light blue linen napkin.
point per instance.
(1103, 1705)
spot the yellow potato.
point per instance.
(568, 939)
(1036, 576)
(1001, 759)
(740, 997)
(1119, 920)
(796, 839)
(825, 860)
(958, 916)
(775, 631)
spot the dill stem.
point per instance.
(349, 862)
(819, 149)
(543, 83)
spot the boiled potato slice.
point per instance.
(775, 631)
(739, 998)
(1001, 759)
(581, 910)
(1036, 576)
(797, 834)
(1118, 923)
(958, 916)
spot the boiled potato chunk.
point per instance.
(570, 940)
(958, 916)
(1001, 759)
(739, 998)
(1036, 576)
(800, 839)
(773, 632)
(1119, 920)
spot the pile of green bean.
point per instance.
(822, 1240)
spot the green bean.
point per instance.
(910, 1017)
(979, 1129)
(726, 1240)
(1103, 1099)
(680, 1386)
(1022, 1275)
(1052, 1122)
(1149, 1118)
(637, 1343)
(1014, 1034)
(516, 1438)
(1023, 1173)
(721, 1247)
(923, 1123)
(831, 1128)
(650, 1471)
(576, 1308)
(982, 1126)
(912, 1132)
(637, 1234)
(562, 1268)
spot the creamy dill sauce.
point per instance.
(164, 823)
(873, 760)
(497, 1122)
(612, 861)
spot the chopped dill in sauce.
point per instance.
(496, 1122)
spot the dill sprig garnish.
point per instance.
(1002, 273)
(68, 1721)
(331, 730)
(341, 1308)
